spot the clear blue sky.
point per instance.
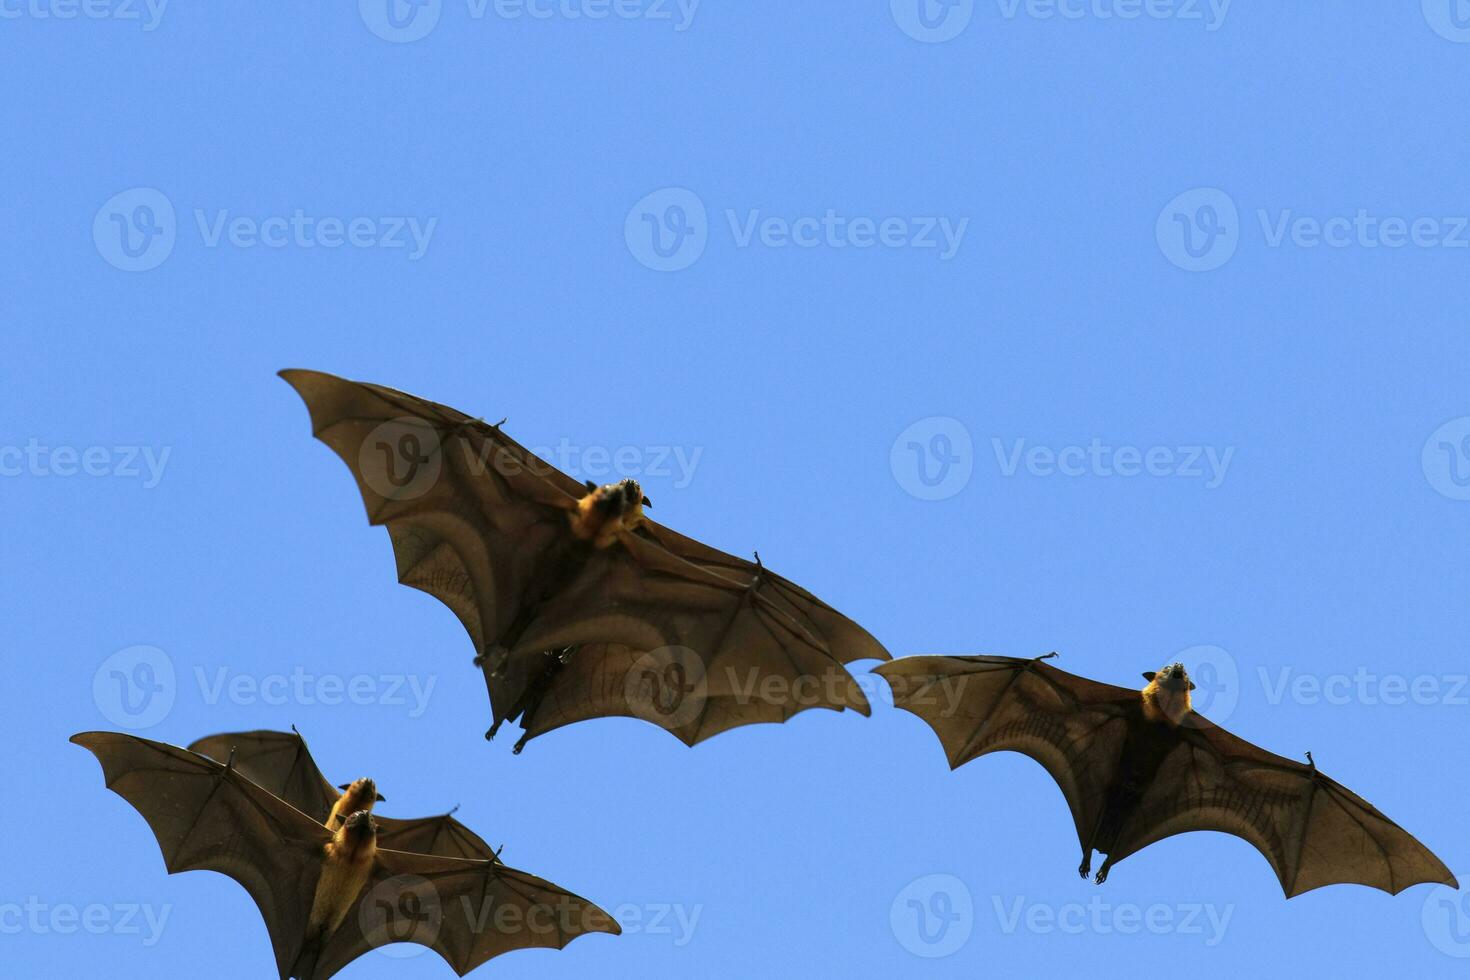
(1059, 247)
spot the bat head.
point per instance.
(360, 794)
(1172, 677)
(623, 499)
(1167, 694)
(366, 789)
(359, 829)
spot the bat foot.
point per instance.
(1085, 868)
(490, 735)
(520, 744)
(1102, 873)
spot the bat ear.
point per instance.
(589, 485)
(1148, 675)
(1191, 685)
(343, 786)
(647, 502)
(382, 798)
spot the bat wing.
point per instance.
(1073, 726)
(470, 511)
(209, 817)
(466, 911)
(467, 508)
(442, 835)
(694, 650)
(1313, 830)
(279, 762)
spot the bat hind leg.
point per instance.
(1102, 873)
(1085, 868)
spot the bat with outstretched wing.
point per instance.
(329, 897)
(577, 604)
(281, 763)
(1139, 766)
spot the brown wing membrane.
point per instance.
(473, 515)
(279, 762)
(466, 911)
(1073, 726)
(690, 650)
(282, 764)
(208, 817)
(442, 835)
(1313, 830)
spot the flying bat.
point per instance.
(578, 605)
(329, 897)
(1139, 766)
(280, 763)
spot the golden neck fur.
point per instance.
(1165, 703)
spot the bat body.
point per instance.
(1139, 766)
(577, 604)
(329, 897)
(281, 763)
(346, 867)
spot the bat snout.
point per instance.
(361, 825)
